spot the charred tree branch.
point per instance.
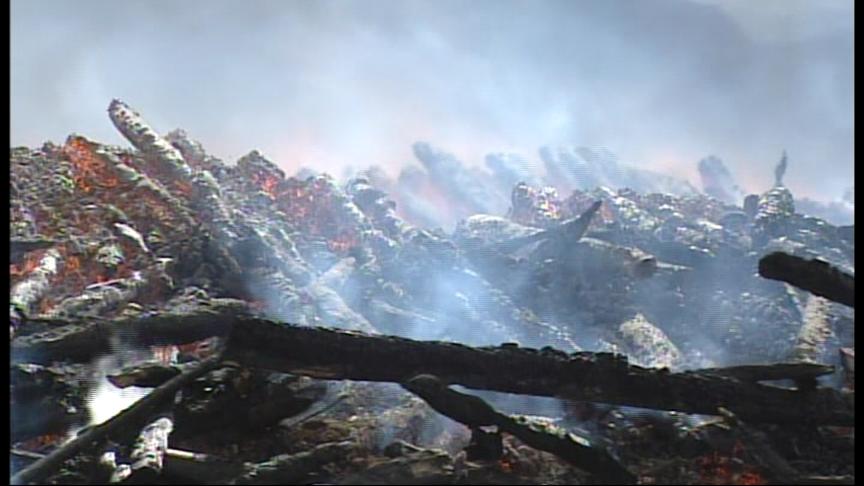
(816, 276)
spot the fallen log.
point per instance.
(780, 371)
(815, 330)
(474, 412)
(816, 276)
(597, 377)
(129, 417)
(81, 341)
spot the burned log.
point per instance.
(815, 330)
(291, 468)
(131, 417)
(816, 276)
(780, 371)
(600, 377)
(81, 341)
(474, 412)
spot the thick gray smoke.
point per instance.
(329, 84)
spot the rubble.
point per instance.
(272, 315)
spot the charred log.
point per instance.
(816, 276)
(332, 354)
(474, 412)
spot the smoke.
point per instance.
(330, 85)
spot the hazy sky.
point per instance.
(326, 84)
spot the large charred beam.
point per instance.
(816, 276)
(81, 341)
(780, 371)
(474, 412)
(597, 377)
(133, 416)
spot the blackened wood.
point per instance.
(293, 468)
(132, 416)
(779, 371)
(597, 377)
(474, 412)
(816, 276)
(82, 341)
(19, 247)
(200, 468)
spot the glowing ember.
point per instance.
(90, 170)
(165, 354)
(37, 444)
(719, 469)
(31, 262)
(342, 243)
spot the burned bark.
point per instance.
(600, 377)
(81, 341)
(474, 412)
(19, 247)
(816, 276)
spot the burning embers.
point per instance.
(91, 171)
(717, 468)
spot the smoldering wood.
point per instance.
(780, 371)
(20, 247)
(26, 294)
(474, 412)
(571, 231)
(131, 417)
(816, 276)
(291, 468)
(148, 453)
(599, 377)
(81, 341)
(777, 469)
(149, 374)
(43, 400)
(200, 468)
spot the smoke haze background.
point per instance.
(332, 85)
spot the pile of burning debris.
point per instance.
(301, 331)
